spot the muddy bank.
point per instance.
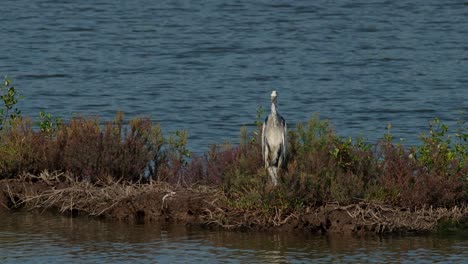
(207, 207)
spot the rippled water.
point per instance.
(205, 66)
(44, 238)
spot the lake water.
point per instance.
(27, 237)
(205, 66)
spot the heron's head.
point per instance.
(274, 94)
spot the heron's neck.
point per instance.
(273, 108)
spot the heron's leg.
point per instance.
(272, 171)
(266, 158)
(281, 155)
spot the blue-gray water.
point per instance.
(49, 238)
(205, 66)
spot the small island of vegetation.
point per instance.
(129, 171)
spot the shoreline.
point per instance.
(207, 207)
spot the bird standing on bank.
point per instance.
(274, 141)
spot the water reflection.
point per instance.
(32, 237)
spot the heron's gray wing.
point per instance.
(263, 139)
(285, 140)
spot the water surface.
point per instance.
(27, 237)
(205, 66)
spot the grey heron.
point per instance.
(274, 141)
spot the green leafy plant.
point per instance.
(461, 142)
(9, 97)
(48, 124)
(155, 142)
(178, 143)
(258, 123)
(316, 135)
(438, 148)
(388, 136)
(259, 116)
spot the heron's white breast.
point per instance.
(274, 137)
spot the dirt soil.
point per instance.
(204, 206)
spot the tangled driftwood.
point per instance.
(381, 218)
(209, 206)
(360, 217)
(80, 196)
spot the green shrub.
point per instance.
(9, 97)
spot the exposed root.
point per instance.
(210, 207)
(237, 218)
(381, 218)
(48, 178)
(80, 195)
(362, 217)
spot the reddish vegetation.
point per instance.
(116, 170)
(415, 185)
